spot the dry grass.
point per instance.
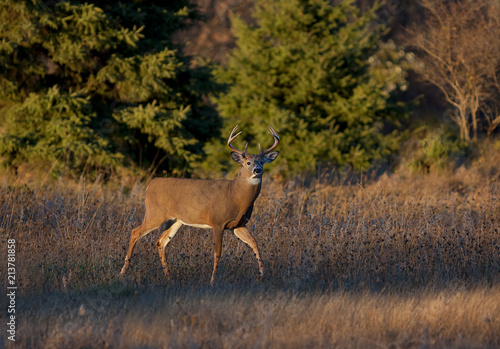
(219, 318)
(395, 262)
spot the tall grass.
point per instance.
(399, 260)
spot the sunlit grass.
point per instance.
(224, 317)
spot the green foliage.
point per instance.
(321, 76)
(101, 84)
(439, 149)
(54, 127)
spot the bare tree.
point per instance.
(459, 47)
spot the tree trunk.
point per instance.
(464, 126)
(474, 125)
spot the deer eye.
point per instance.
(248, 163)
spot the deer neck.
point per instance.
(245, 191)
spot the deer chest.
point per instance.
(241, 219)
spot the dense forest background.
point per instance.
(142, 88)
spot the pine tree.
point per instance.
(100, 84)
(322, 75)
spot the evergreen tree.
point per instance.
(321, 75)
(100, 84)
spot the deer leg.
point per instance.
(163, 241)
(246, 237)
(217, 250)
(137, 233)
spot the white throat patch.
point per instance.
(254, 180)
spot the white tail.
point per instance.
(217, 204)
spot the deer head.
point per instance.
(252, 165)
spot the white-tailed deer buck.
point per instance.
(206, 203)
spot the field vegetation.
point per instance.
(400, 260)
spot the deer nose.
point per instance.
(257, 171)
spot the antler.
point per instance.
(232, 136)
(276, 141)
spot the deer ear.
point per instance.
(237, 157)
(270, 157)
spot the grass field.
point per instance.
(398, 261)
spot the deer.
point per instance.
(217, 204)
